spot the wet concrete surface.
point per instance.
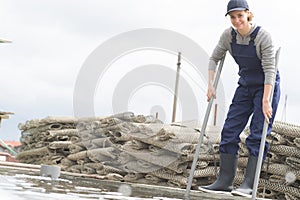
(19, 183)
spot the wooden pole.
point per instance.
(283, 117)
(215, 114)
(176, 87)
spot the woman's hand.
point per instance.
(211, 92)
(266, 105)
(267, 110)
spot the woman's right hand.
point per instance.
(211, 92)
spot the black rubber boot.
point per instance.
(223, 184)
(247, 186)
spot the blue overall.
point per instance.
(247, 100)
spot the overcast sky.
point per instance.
(53, 38)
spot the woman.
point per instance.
(252, 48)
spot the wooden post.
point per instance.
(176, 87)
(283, 117)
(215, 114)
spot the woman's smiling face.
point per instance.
(239, 19)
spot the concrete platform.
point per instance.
(95, 181)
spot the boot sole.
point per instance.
(241, 194)
(237, 193)
(214, 191)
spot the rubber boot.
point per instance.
(223, 184)
(247, 186)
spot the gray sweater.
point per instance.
(264, 50)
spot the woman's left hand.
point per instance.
(267, 110)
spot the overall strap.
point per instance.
(254, 34)
(233, 34)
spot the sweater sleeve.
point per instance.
(267, 57)
(219, 51)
